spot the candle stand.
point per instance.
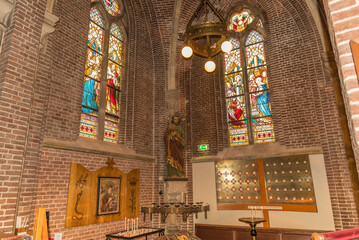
(252, 223)
(175, 208)
(143, 231)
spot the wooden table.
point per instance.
(143, 231)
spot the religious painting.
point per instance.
(108, 196)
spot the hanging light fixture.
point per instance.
(206, 39)
(210, 66)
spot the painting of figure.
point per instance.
(108, 201)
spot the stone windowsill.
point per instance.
(97, 147)
(265, 150)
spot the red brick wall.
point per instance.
(299, 93)
(53, 175)
(20, 126)
(343, 22)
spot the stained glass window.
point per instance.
(247, 92)
(112, 7)
(239, 21)
(114, 69)
(93, 79)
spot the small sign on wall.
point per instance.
(203, 147)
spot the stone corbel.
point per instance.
(6, 7)
(48, 27)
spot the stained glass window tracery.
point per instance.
(247, 92)
(93, 80)
(239, 21)
(112, 7)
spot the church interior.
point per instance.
(139, 119)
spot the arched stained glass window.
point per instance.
(102, 91)
(247, 92)
(90, 95)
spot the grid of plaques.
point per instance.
(288, 180)
(237, 182)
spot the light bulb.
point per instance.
(187, 52)
(226, 46)
(210, 66)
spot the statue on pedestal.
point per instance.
(175, 143)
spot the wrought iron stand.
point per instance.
(252, 223)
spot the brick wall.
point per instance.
(343, 24)
(299, 92)
(54, 173)
(20, 116)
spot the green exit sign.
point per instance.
(203, 147)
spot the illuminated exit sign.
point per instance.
(203, 147)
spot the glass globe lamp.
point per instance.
(210, 66)
(187, 52)
(226, 46)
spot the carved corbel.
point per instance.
(6, 7)
(48, 27)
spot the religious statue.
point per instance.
(175, 143)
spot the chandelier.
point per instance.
(206, 39)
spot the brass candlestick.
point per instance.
(252, 223)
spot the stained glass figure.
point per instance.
(116, 32)
(239, 21)
(95, 37)
(112, 7)
(90, 95)
(93, 64)
(115, 50)
(234, 84)
(96, 17)
(113, 87)
(236, 110)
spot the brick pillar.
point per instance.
(18, 64)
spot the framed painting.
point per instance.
(108, 195)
